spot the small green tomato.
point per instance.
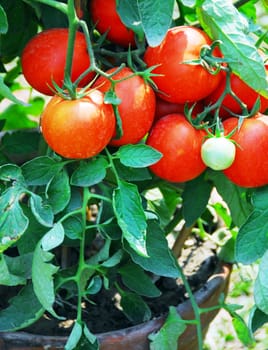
(218, 153)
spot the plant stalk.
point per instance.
(196, 309)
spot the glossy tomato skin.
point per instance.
(250, 167)
(44, 56)
(137, 107)
(243, 91)
(180, 82)
(163, 108)
(79, 128)
(107, 20)
(180, 144)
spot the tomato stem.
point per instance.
(73, 26)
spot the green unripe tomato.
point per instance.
(218, 153)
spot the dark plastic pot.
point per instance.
(135, 338)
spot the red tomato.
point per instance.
(107, 20)
(43, 59)
(250, 167)
(180, 144)
(243, 91)
(137, 105)
(163, 108)
(180, 82)
(78, 128)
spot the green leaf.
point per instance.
(20, 265)
(222, 21)
(94, 285)
(13, 221)
(130, 216)
(261, 285)
(129, 14)
(41, 170)
(188, 3)
(234, 196)
(34, 232)
(132, 174)
(156, 18)
(22, 25)
(200, 190)
(21, 116)
(167, 337)
(7, 278)
(240, 327)
(114, 259)
(73, 227)
(250, 10)
(138, 281)
(138, 156)
(102, 254)
(87, 341)
(42, 212)
(21, 145)
(242, 331)
(89, 173)
(58, 192)
(260, 198)
(24, 309)
(74, 337)
(50, 17)
(227, 251)
(3, 21)
(160, 261)
(9, 172)
(5, 92)
(91, 338)
(135, 308)
(257, 319)
(53, 238)
(252, 242)
(42, 276)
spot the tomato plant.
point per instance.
(108, 22)
(177, 80)
(103, 185)
(250, 167)
(44, 56)
(218, 153)
(78, 128)
(137, 105)
(180, 144)
(245, 93)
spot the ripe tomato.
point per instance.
(245, 93)
(137, 105)
(163, 108)
(107, 20)
(180, 144)
(180, 82)
(78, 128)
(250, 167)
(44, 56)
(218, 153)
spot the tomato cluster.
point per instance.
(123, 100)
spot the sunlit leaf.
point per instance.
(222, 21)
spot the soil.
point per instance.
(102, 313)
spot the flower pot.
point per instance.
(136, 337)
